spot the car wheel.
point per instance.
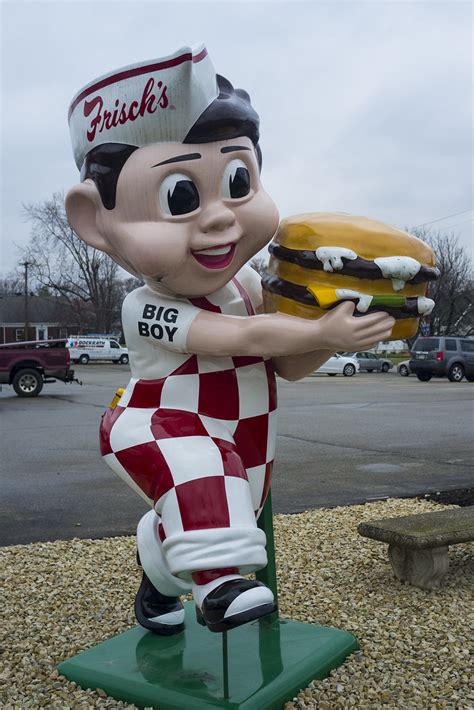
(84, 359)
(404, 371)
(456, 373)
(424, 376)
(369, 370)
(124, 360)
(385, 367)
(348, 370)
(27, 383)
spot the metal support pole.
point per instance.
(225, 665)
(267, 575)
(26, 264)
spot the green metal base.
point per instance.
(259, 665)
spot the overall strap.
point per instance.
(245, 297)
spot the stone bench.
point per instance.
(418, 544)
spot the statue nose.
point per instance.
(216, 218)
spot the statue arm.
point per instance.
(278, 335)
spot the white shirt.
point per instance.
(156, 326)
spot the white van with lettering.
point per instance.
(84, 348)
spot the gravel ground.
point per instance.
(63, 597)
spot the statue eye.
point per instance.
(178, 195)
(236, 180)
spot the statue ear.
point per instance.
(83, 205)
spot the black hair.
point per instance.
(230, 115)
(103, 165)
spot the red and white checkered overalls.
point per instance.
(199, 445)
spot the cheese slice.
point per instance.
(327, 296)
(324, 295)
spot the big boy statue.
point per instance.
(170, 189)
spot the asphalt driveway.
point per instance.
(341, 441)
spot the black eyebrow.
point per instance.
(231, 148)
(179, 159)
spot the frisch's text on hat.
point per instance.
(104, 119)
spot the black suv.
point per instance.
(443, 356)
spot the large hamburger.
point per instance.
(320, 260)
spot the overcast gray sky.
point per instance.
(365, 107)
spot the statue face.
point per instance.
(189, 216)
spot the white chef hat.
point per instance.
(157, 101)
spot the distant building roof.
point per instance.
(41, 310)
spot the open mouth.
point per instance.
(215, 257)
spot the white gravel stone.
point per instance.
(415, 646)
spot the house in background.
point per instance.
(391, 346)
(48, 317)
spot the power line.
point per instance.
(440, 219)
(450, 226)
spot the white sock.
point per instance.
(200, 591)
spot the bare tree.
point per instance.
(61, 262)
(11, 285)
(130, 284)
(259, 264)
(453, 292)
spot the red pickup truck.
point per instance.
(28, 365)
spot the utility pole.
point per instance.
(26, 264)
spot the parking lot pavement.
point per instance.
(341, 441)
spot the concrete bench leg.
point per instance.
(422, 568)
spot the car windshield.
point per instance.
(427, 344)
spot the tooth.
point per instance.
(217, 251)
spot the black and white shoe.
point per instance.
(156, 612)
(234, 603)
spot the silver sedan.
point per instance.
(369, 362)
